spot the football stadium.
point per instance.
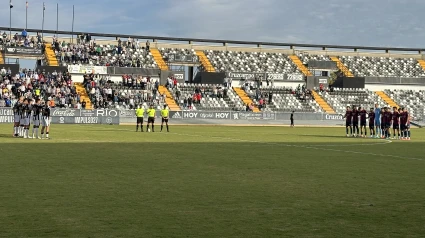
(122, 135)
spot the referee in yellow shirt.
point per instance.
(151, 118)
(164, 115)
(140, 111)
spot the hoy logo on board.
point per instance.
(190, 114)
(222, 115)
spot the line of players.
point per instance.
(380, 122)
(29, 112)
(151, 112)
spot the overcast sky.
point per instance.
(396, 23)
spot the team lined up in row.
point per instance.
(29, 112)
(380, 122)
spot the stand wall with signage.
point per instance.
(181, 58)
(23, 51)
(179, 75)
(115, 117)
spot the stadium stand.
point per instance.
(340, 98)
(383, 66)
(414, 101)
(22, 40)
(124, 54)
(213, 97)
(305, 57)
(124, 95)
(229, 61)
(282, 99)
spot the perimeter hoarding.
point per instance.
(113, 116)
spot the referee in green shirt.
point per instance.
(139, 114)
(151, 118)
(164, 115)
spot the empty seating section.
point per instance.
(284, 99)
(340, 98)
(166, 52)
(414, 101)
(213, 97)
(232, 61)
(305, 57)
(383, 66)
(104, 55)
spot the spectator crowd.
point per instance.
(132, 91)
(56, 87)
(86, 50)
(21, 40)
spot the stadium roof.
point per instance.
(190, 40)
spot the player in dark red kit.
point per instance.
(404, 124)
(382, 123)
(387, 120)
(355, 115)
(396, 123)
(372, 122)
(363, 115)
(348, 121)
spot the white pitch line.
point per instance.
(305, 146)
(283, 144)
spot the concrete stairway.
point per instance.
(387, 99)
(158, 59)
(300, 65)
(322, 103)
(206, 63)
(169, 100)
(422, 64)
(245, 98)
(342, 67)
(84, 96)
(50, 56)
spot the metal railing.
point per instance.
(224, 42)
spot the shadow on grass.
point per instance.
(6, 135)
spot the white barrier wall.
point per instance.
(381, 87)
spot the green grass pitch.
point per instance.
(210, 181)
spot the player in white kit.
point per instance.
(17, 117)
(26, 117)
(45, 121)
(36, 119)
